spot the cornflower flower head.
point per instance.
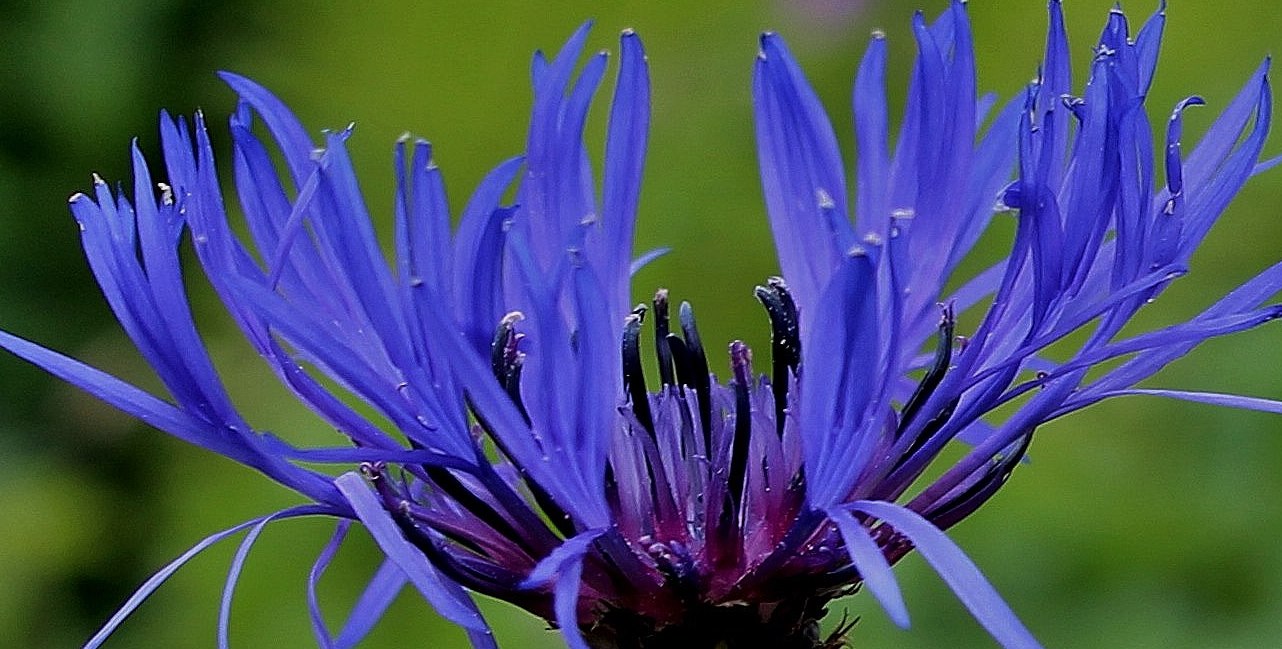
(519, 450)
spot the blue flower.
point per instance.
(517, 449)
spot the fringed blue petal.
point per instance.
(478, 250)
(1147, 45)
(295, 144)
(1039, 213)
(801, 174)
(319, 629)
(381, 591)
(448, 598)
(995, 156)
(1086, 203)
(556, 407)
(625, 152)
(132, 400)
(871, 563)
(146, 293)
(426, 245)
(496, 409)
(276, 446)
(1226, 132)
(1243, 300)
(552, 184)
(1135, 188)
(1267, 165)
(1211, 398)
(343, 226)
(838, 367)
(233, 576)
(600, 384)
(957, 570)
(310, 337)
(1056, 82)
(1195, 331)
(1206, 202)
(934, 196)
(1168, 227)
(148, 587)
(159, 227)
(564, 568)
(645, 258)
(871, 134)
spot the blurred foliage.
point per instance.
(1138, 524)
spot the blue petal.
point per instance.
(279, 447)
(1196, 330)
(284, 126)
(934, 177)
(1206, 202)
(840, 372)
(262, 198)
(381, 591)
(159, 228)
(993, 159)
(1135, 197)
(645, 259)
(150, 304)
(565, 566)
(599, 369)
(495, 407)
(426, 243)
(448, 598)
(478, 250)
(871, 133)
(148, 587)
(1147, 45)
(574, 186)
(323, 637)
(1055, 83)
(871, 564)
(1209, 154)
(1212, 398)
(625, 151)
(1242, 299)
(1266, 165)
(957, 570)
(127, 398)
(233, 575)
(801, 175)
(380, 388)
(565, 601)
(344, 226)
(546, 181)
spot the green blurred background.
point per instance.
(1138, 524)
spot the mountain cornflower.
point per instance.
(518, 449)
